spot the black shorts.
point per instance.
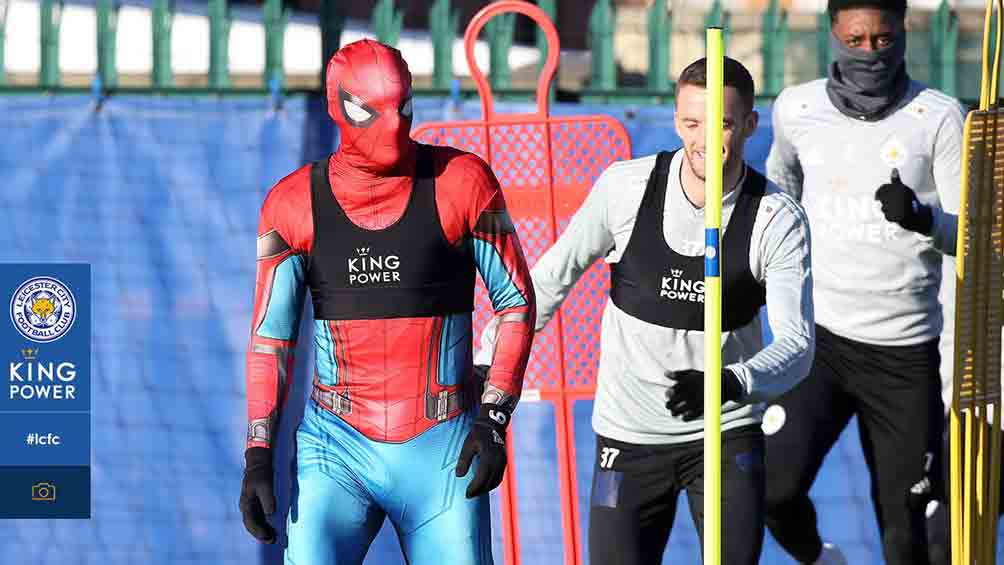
(635, 491)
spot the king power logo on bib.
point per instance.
(678, 287)
(369, 268)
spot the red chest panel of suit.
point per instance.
(388, 374)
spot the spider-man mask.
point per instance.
(369, 97)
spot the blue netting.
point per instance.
(161, 195)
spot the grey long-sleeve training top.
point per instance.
(636, 355)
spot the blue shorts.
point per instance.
(347, 484)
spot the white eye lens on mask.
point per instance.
(356, 112)
(406, 109)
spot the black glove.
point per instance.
(481, 373)
(257, 497)
(900, 205)
(486, 440)
(685, 398)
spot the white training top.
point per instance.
(874, 281)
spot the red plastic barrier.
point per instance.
(546, 166)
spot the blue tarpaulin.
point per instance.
(161, 196)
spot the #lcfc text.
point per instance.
(42, 380)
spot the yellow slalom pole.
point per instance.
(985, 82)
(713, 171)
(955, 479)
(959, 418)
(969, 492)
(992, 425)
(979, 483)
(974, 423)
(996, 68)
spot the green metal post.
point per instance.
(4, 8)
(718, 17)
(601, 39)
(550, 8)
(659, 33)
(823, 42)
(107, 14)
(950, 59)
(937, 38)
(387, 22)
(332, 22)
(944, 48)
(443, 27)
(50, 14)
(219, 44)
(275, 17)
(500, 30)
(775, 41)
(163, 16)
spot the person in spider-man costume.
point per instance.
(386, 234)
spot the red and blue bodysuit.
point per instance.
(386, 234)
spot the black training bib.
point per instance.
(658, 285)
(405, 270)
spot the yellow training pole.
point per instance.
(955, 480)
(713, 171)
(985, 82)
(975, 433)
(992, 410)
(959, 418)
(979, 480)
(990, 474)
(969, 494)
(991, 491)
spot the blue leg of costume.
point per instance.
(334, 518)
(347, 484)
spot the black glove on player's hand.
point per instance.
(257, 497)
(481, 373)
(900, 205)
(685, 397)
(486, 440)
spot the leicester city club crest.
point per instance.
(43, 309)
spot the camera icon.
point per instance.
(44, 492)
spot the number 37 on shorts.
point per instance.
(607, 457)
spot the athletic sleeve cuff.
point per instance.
(744, 376)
